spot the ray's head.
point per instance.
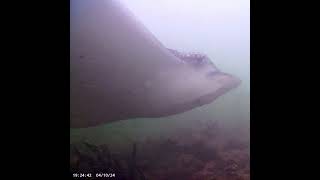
(195, 82)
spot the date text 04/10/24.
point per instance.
(89, 175)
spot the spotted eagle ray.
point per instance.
(119, 70)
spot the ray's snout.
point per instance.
(226, 82)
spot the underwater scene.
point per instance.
(131, 122)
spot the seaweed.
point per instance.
(99, 159)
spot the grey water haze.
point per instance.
(219, 29)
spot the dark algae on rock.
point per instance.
(86, 158)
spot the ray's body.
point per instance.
(119, 70)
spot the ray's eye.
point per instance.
(212, 73)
